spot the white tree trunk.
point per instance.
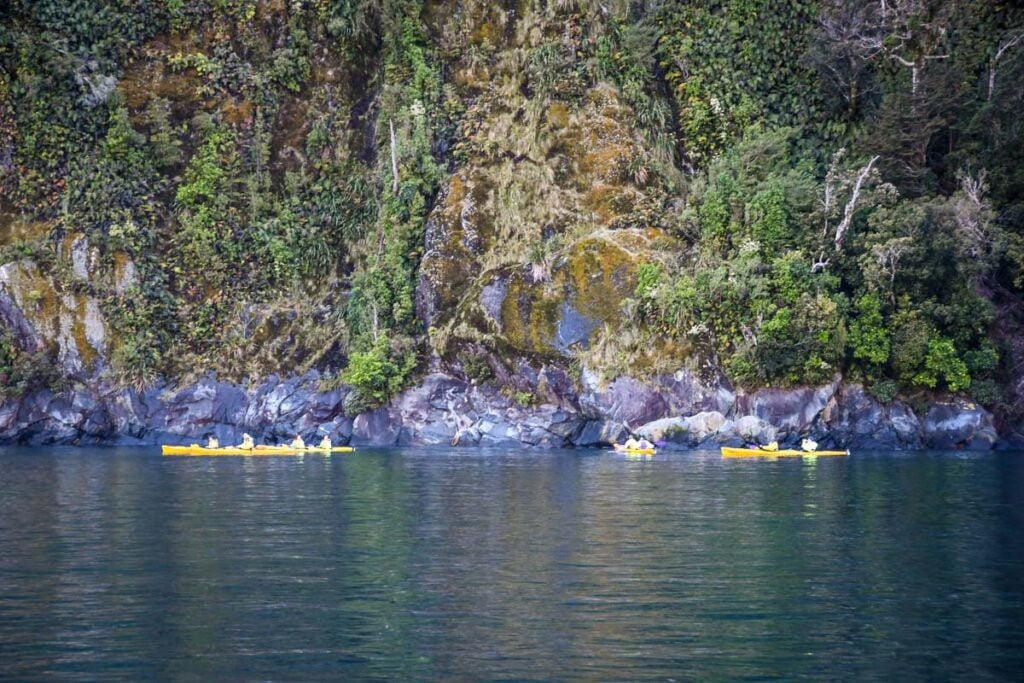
(851, 206)
(394, 158)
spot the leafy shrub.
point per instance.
(942, 361)
(163, 139)
(885, 391)
(769, 219)
(909, 346)
(379, 373)
(987, 392)
(525, 399)
(476, 367)
(23, 371)
(981, 361)
(869, 336)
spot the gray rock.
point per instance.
(548, 426)
(703, 429)
(12, 279)
(959, 425)
(624, 400)
(8, 416)
(376, 428)
(492, 296)
(496, 432)
(574, 329)
(126, 277)
(80, 258)
(791, 412)
(686, 394)
(469, 436)
(556, 387)
(754, 429)
(446, 410)
(668, 432)
(601, 433)
(854, 419)
(324, 407)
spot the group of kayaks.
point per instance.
(196, 449)
(746, 452)
(727, 451)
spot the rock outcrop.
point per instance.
(678, 412)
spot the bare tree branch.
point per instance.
(820, 264)
(970, 212)
(995, 60)
(888, 256)
(394, 158)
(851, 206)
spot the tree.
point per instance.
(869, 336)
(840, 57)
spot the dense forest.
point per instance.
(776, 191)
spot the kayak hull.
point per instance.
(635, 451)
(729, 452)
(257, 451)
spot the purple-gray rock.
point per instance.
(625, 400)
(854, 419)
(789, 411)
(601, 433)
(376, 428)
(959, 425)
(678, 410)
(686, 394)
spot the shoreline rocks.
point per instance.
(679, 412)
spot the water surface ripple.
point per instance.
(477, 565)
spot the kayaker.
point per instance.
(631, 444)
(247, 443)
(809, 445)
(325, 443)
(645, 444)
(297, 442)
(212, 442)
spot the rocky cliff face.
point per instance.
(679, 412)
(534, 174)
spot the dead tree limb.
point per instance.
(394, 158)
(851, 206)
(995, 60)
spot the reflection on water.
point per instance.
(466, 565)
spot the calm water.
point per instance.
(469, 565)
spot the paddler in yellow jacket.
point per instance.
(212, 442)
(247, 443)
(325, 443)
(297, 443)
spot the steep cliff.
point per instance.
(552, 221)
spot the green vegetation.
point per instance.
(23, 371)
(791, 191)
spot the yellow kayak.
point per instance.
(729, 452)
(196, 449)
(639, 451)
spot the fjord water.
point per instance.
(439, 564)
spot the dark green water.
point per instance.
(472, 565)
